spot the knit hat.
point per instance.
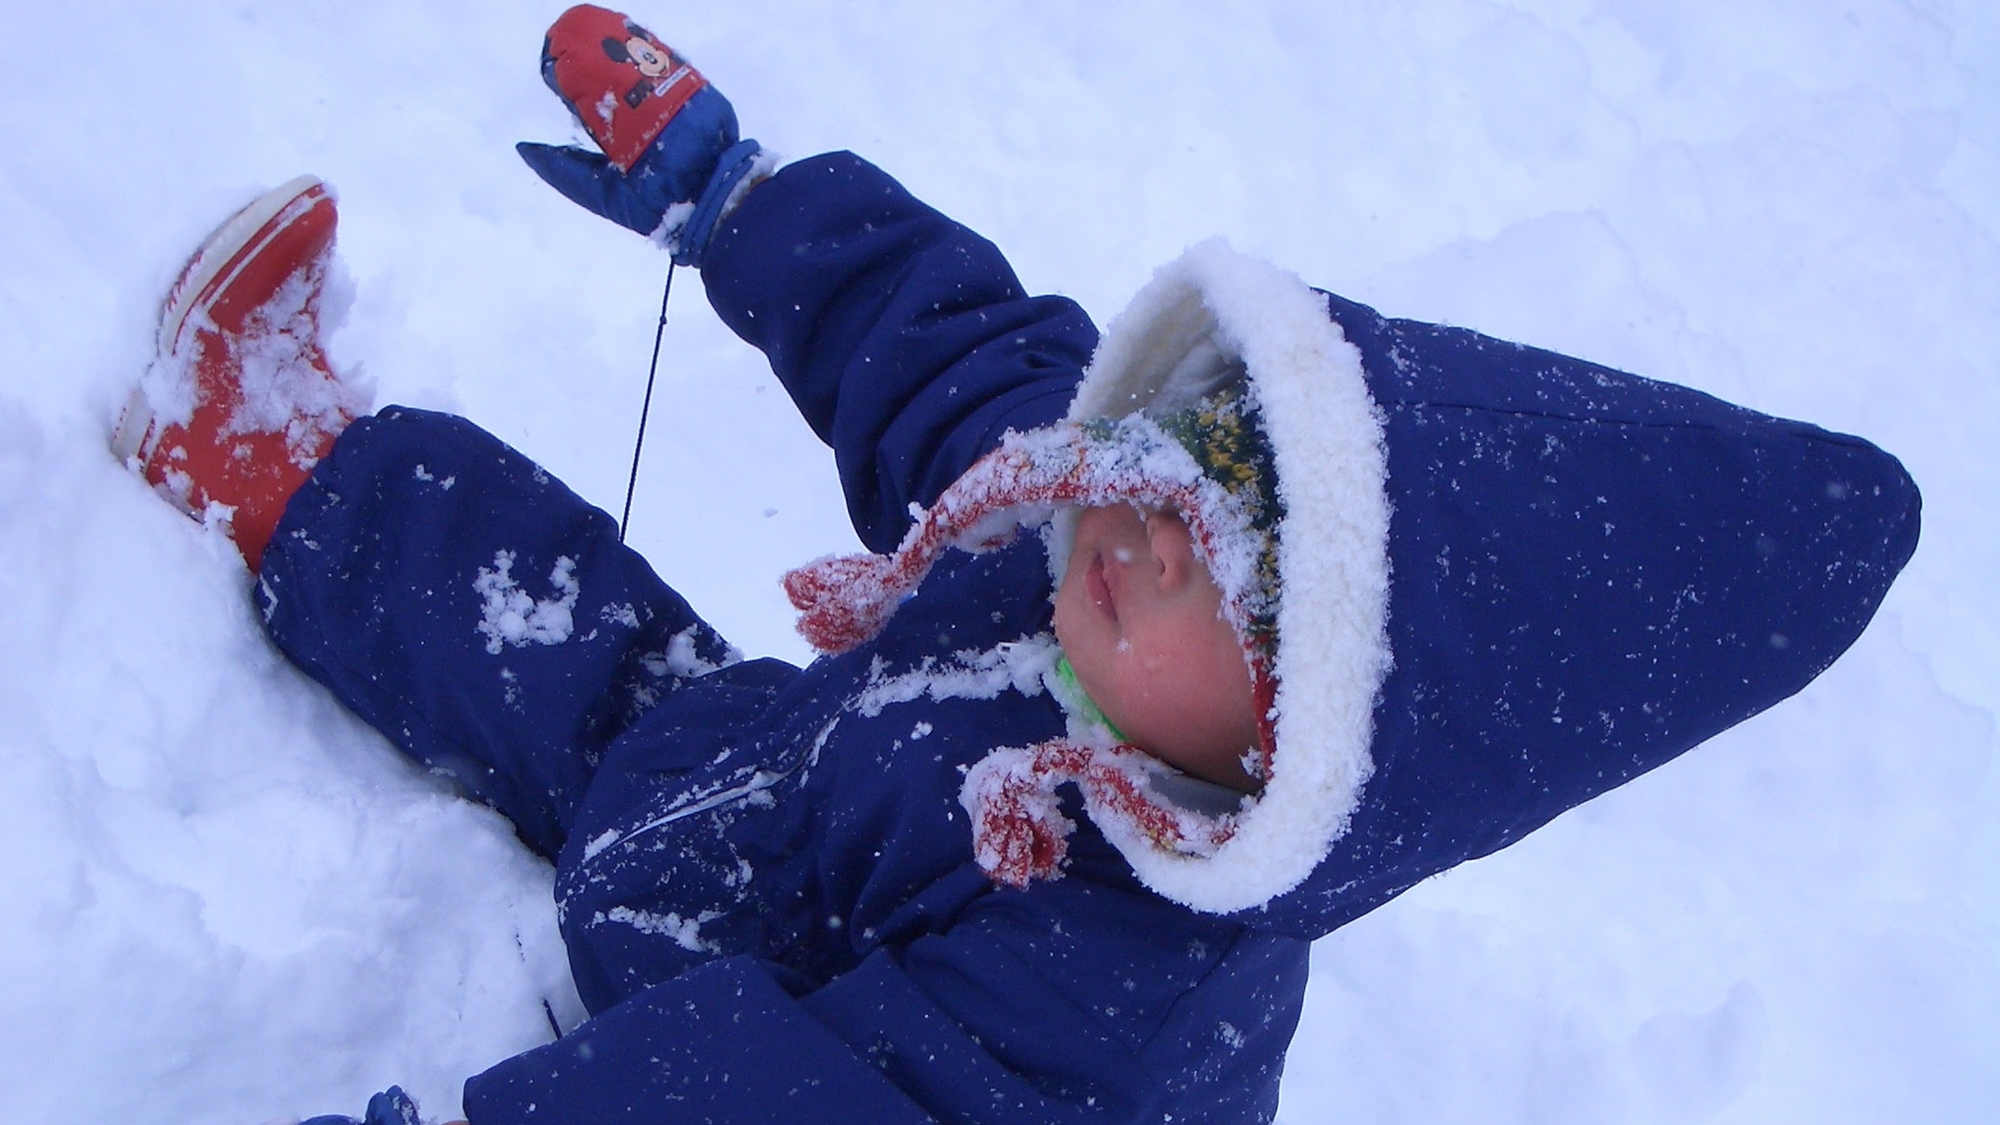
(1223, 434)
(1227, 395)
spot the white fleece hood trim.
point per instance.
(1209, 317)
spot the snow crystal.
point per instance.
(683, 661)
(284, 390)
(671, 221)
(600, 842)
(217, 516)
(686, 932)
(169, 389)
(510, 616)
(425, 475)
(966, 674)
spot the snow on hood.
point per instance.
(1209, 318)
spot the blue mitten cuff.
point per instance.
(677, 190)
(689, 239)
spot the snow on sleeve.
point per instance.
(684, 662)
(686, 932)
(966, 674)
(509, 615)
(425, 475)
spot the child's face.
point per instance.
(1140, 619)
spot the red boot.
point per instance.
(240, 403)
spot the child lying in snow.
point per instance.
(1337, 602)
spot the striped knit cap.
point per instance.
(1211, 464)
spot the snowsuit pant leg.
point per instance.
(477, 612)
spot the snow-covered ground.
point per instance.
(227, 901)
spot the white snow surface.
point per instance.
(228, 901)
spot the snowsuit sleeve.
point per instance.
(1069, 1004)
(904, 338)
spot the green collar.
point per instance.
(1080, 702)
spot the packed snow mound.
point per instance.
(215, 866)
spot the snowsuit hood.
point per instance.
(1213, 320)
(1518, 495)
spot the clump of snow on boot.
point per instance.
(284, 391)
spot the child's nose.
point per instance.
(1173, 550)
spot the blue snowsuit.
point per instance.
(764, 875)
